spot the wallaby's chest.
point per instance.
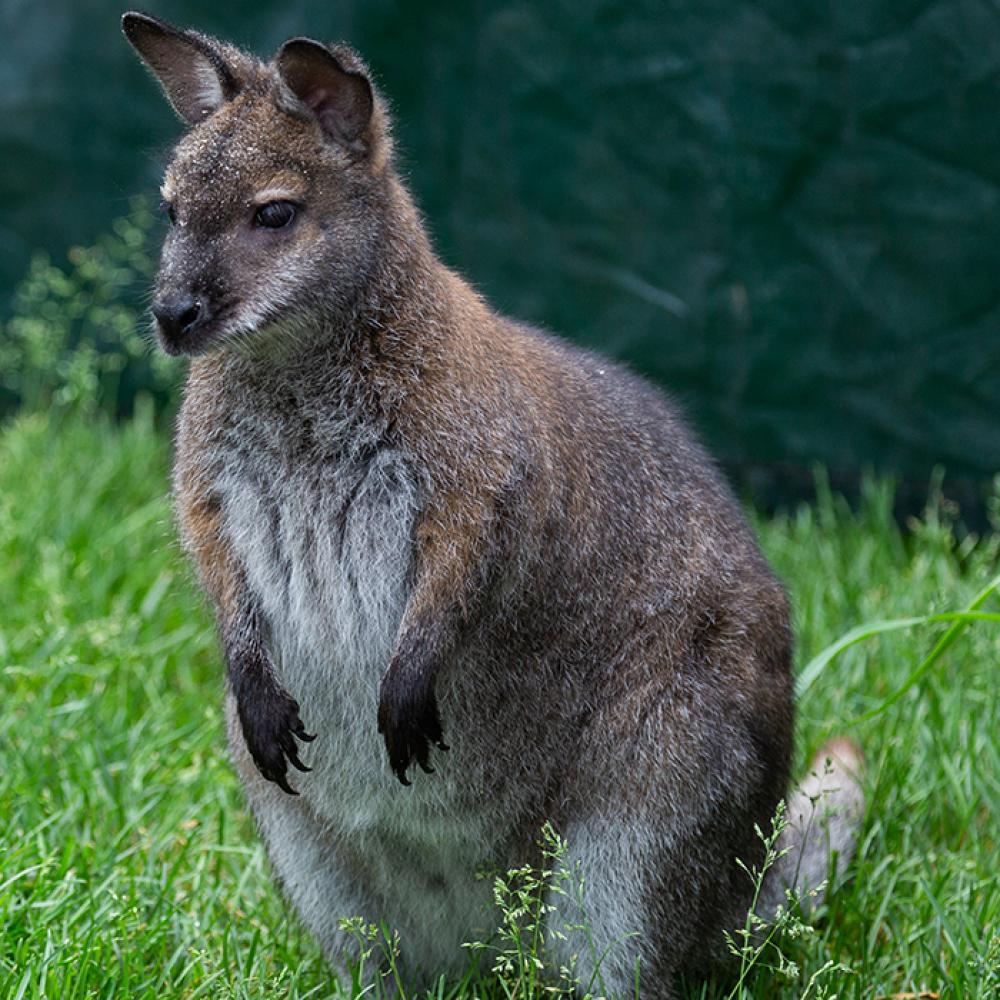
(325, 544)
(323, 532)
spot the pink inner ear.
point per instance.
(341, 101)
(316, 98)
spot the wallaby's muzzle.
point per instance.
(179, 318)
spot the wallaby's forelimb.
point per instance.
(269, 716)
(449, 577)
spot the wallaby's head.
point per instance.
(276, 195)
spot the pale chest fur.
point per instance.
(318, 508)
(324, 538)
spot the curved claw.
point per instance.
(293, 755)
(271, 725)
(300, 732)
(281, 781)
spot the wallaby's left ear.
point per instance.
(190, 67)
(334, 87)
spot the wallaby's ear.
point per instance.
(336, 90)
(190, 67)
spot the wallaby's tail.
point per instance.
(823, 816)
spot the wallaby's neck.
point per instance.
(407, 304)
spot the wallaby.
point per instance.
(440, 540)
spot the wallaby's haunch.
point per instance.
(421, 523)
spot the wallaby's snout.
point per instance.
(197, 293)
(179, 317)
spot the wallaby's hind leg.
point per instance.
(631, 864)
(605, 912)
(824, 815)
(653, 905)
(678, 798)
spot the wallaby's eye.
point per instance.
(275, 214)
(169, 211)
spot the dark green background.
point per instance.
(784, 211)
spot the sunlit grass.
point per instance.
(129, 868)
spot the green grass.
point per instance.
(129, 868)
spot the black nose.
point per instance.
(180, 315)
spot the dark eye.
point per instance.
(275, 214)
(168, 210)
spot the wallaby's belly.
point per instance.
(328, 558)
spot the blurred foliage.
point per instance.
(76, 339)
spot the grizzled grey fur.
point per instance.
(468, 579)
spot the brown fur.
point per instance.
(585, 617)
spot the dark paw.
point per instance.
(271, 725)
(409, 722)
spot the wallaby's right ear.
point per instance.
(333, 86)
(190, 67)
